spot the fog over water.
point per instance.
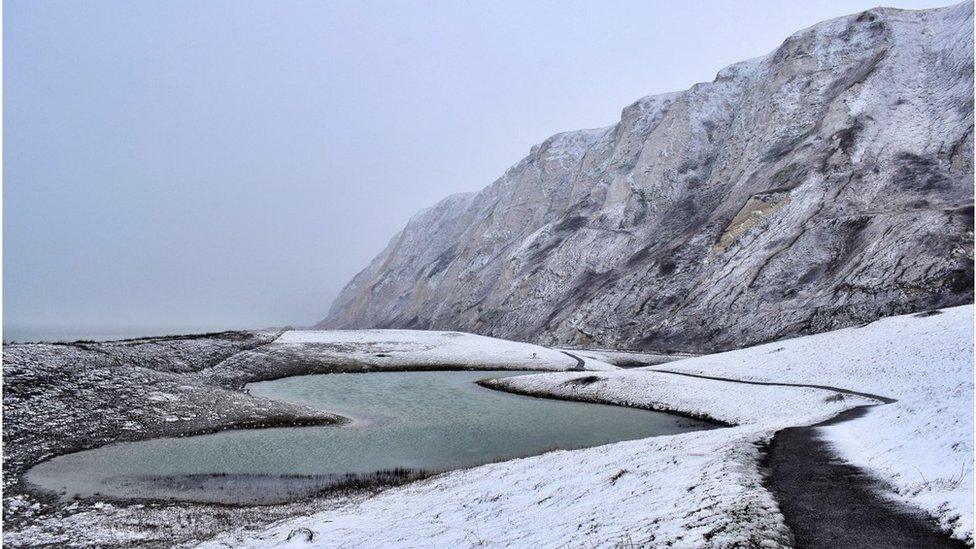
(188, 166)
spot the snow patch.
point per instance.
(422, 348)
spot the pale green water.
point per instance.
(416, 420)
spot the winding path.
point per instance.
(882, 399)
(580, 363)
(828, 503)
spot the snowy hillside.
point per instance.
(415, 349)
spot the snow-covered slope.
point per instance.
(301, 352)
(922, 445)
(826, 184)
(701, 489)
(416, 349)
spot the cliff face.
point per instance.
(826, 184)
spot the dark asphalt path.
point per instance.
(883, 399)
(830, 504)
(580, 363)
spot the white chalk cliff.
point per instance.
(824, 185)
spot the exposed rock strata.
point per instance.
(824, 185)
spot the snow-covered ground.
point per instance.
(922, 445)
(418, 348)
(704, 488)
(730, 403)
(627, 359)
(681, 490)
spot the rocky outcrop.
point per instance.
(826, 184)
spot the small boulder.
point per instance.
(301, 534)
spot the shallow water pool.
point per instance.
(431, 421)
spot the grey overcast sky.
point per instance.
(215, 164)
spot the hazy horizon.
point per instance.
(219, 165)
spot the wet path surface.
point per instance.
(830, 504)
